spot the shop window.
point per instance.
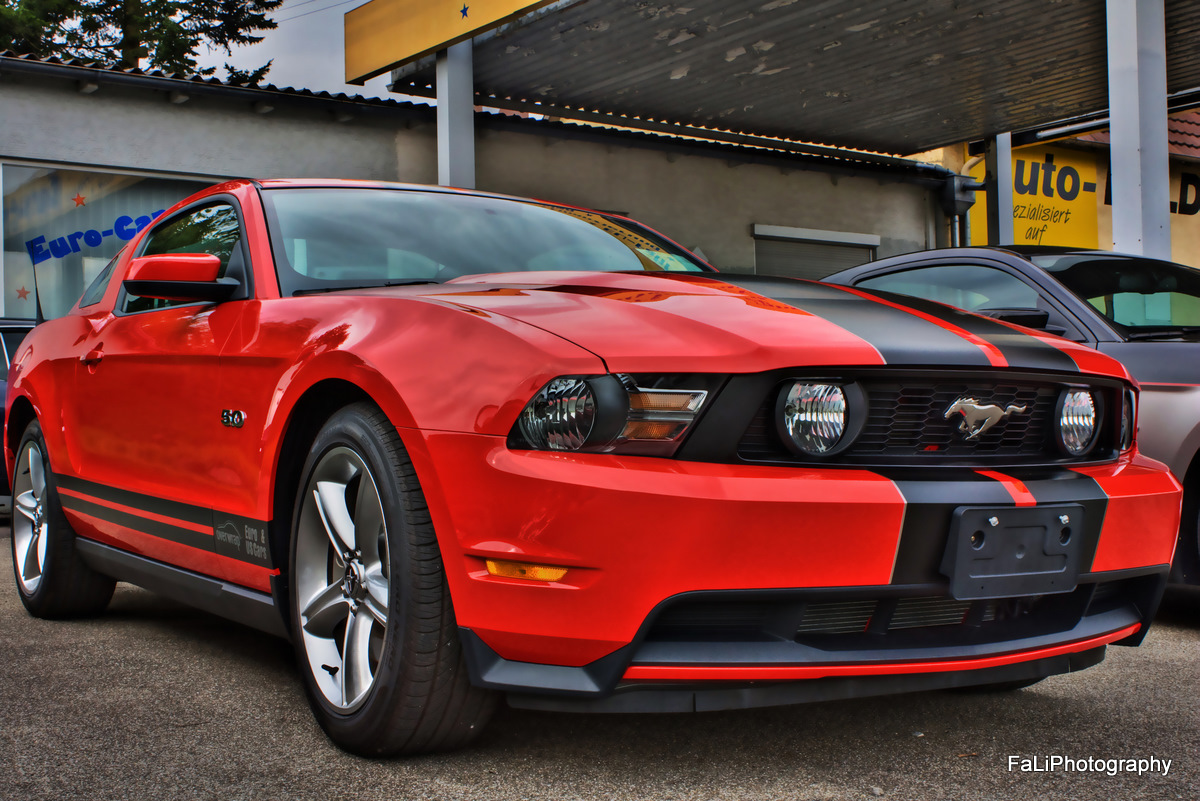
(63, 226)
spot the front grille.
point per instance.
(906, 424)
(908, 419)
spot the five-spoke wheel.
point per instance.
(29, 520)
(372, 620)
(52, 578)
(341, 576)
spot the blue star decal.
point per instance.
(464, 11)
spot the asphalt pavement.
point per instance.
(155, 700)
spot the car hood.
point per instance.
(639, 322)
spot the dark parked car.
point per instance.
(12, 334)
(1144, 312)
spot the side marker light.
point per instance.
(524, 570)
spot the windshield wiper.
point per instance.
(324, 289)
(1179, 332)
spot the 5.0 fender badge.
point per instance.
(977, 417)
(232, 418)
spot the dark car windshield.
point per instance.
(355, 237)
(1143, 297)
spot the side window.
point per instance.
(975, 288)
(212, 229)
(969, 286)
(95, 293)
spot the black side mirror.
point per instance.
(1030, 318)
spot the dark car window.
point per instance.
(331, 238)
(95, 292)
(12, 337)
(212, 229)
(1139, 295)
(973, 287)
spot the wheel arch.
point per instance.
(317, 404)
(20, 414)
(1185, 567)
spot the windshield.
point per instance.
(1141, 296)
(350, 237)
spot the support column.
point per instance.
(456, 116)
(1140, 174)
(998, 181)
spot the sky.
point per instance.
(307, 49)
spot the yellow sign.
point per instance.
(1055, 200)
(384, 34)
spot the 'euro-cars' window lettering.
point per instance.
(331, 238)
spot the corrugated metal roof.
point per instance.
(782, 153)
(895, 77)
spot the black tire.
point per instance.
(378, 687)
(52, 579)
(1186, 567)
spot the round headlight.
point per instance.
(561, 415)
(1077, 421)
(814, 416)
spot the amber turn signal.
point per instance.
(524, 570)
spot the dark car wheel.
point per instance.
(52, 579)
(373, 625)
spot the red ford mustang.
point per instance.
(459, 446)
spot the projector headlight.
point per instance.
(1078, 421)
(643, 414)
(816, 418)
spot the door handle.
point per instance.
(92, 357)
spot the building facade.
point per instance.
(88, 156)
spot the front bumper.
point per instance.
(750, 553)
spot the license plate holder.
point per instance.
(1006, 552)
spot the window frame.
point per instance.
(1077, 330)
(208, 200)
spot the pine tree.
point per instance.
(163, 34)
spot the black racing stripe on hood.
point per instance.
(908, 336)
(1020, 350)
(901, 338)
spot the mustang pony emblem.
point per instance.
(978, 418)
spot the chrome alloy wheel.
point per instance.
(30, 528)
(341, 575)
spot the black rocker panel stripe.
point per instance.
(901, 338)
(198, 515)
(241, 538)
(928, 514)
(183, 536)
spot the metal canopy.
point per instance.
(896, 77)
